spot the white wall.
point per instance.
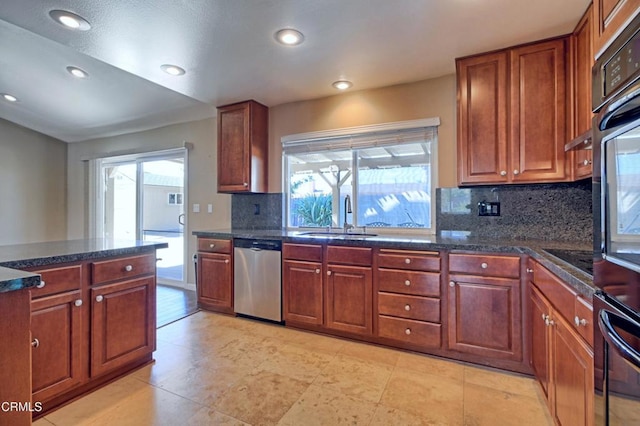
(202, 175)
(32, 186)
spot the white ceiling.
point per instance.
(228, 50)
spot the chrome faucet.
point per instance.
(347, 209)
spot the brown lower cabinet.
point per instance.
(90, 322)
(561, 359)
(302, 291)
(348, 300)
(215, 275)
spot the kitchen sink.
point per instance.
(329, 234)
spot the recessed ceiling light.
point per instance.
(70, 20)
(9, 98)
(172, 69)
(342, 84)
(77, 72)
(289, 37)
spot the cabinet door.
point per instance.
(572, 376)
(57, 354)
(233, 148)
(485, 316)
(215, 283)
(302, 283)
(609, 16)
(123, 323)
(482, 119)
(538, 103)
(349, 305)
(539, 315)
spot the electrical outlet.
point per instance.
(209, 208)
(489, 208)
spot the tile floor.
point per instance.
(212, 369)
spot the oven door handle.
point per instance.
(606, 321)
(621, 111)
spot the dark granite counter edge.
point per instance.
(577, 279)
(11, 280)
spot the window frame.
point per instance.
(311, 137)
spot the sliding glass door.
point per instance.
(142, 197)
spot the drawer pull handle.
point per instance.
(407, 261)
(78, 302)
(452, 284)
(407, 282)
(484, 265)
(212, 245)
(407, 307)
(35, 343)
(128, 268)
(226, 261)
(317, 271)
(579, 322)
(328, 272)
(99, 298)
(407, 332)
(41, 285)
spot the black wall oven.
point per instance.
(616, 268)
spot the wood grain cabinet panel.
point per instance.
(609, 18)
(215, 282)
(539, 338)
(243, 147)
(348, 300)
(302, 290)
(123, 326)
(57, 358)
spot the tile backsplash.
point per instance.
(559, 212)
(256, 211)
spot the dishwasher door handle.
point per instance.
(255, 249)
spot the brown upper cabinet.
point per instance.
(609, 17)
(243, 147)
(581, 154)
(512, 114)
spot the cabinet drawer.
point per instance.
(583, 319)
(561, 296)
(415, 332)
(485, 265)
(58, 280)
(121, 268)
(213, 245)
(411, 260)
(412, 307)
(407, 282)
(360, 256)
(310, 252)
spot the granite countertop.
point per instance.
(578, 279)
(24, 256)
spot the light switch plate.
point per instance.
(210, 208)
(196, 208)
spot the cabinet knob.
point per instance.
(328, 272)
(579, 322)
(586, 162)
(35, 343)
(407, 332)
(226, 261)
(99, 298)
(516, 172)
(407, 261)
(128, 268)
(42, 284)
(529, 271)
(549, 322)
(503, 173)
(407, 282)
(407, 307)
(317, 271)
(212, 245)
(78, 302)
(484, 265)
(544, 317)
(245, 184)
(452, 284)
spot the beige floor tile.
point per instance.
(42, 422)
(436, 399)
(502, 381)
(261, 398)
(431, 365)
(207, 416)
(369, 352)
(354, 377)
(386, 416)
(297, 362)
(490, 407)
(317, 342)
(167, 359)
(320, 406)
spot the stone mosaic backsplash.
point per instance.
(256, 211)
(558, 212)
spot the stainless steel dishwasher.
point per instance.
(257, 284)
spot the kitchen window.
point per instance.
(387, 170)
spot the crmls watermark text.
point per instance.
(7, 406)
